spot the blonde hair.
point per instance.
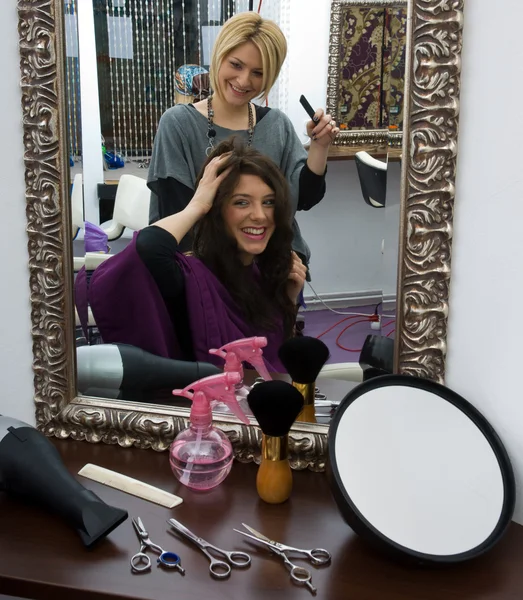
(263, 33)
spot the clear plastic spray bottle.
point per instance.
(201, 456)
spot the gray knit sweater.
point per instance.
(181, 141)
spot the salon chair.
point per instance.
(373, 179)
(131, 207)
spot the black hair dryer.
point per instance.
(32, 470)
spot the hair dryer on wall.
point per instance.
(125, 367)
(32, 470)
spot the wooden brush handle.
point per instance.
(274, 479)
(307, 414)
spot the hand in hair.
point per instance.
(297, 276)
(180, 223)
(210, 182)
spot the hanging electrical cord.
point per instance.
(370, 319)
(344, 330)
(337, 312)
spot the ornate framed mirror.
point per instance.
(430, 129)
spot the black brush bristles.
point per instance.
(275, 404)
(303, 357)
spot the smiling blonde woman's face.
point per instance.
(241, 75)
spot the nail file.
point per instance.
(129, 485)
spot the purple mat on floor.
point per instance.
(318, 321)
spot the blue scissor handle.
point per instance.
(169, 559)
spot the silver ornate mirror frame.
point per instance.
(363, 137)
(428, 175)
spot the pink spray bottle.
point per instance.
(248, 350)
(201, 456)
(234, 353)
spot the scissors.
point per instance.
(140, 562)
(300, 575)
(218, 568)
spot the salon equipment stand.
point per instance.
(42, 558)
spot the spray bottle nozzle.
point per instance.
(219, 388)
(246, 349)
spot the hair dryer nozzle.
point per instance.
(31, 469)
(99, 519)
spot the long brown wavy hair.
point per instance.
(263, 306)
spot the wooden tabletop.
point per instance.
(43, 558)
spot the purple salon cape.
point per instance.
(129, 309)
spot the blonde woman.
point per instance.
(246, 61)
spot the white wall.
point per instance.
(344, 233)
(16, 394)
(485, 349)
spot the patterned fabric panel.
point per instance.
(372, 68)
(360, 68)
(394, 67)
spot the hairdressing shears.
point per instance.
(140, 562)
(300, 575)
(218, 568)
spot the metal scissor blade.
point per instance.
(257, 533)
(257, 539)
(138, 525)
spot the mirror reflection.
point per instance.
(368, 66)
(165, 269)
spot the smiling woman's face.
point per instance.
(249, 216)
(241, 75)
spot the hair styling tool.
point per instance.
(121, 366)
(377, 356)
(201, 456)
(129, 485)
(304, 357)
(308, 108)
(140, 562)
(32, 470)
(300, 575)
(218, 568)
(275, 404)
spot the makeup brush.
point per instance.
(304, 357)
(275, 404)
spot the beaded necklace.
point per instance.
(211, 132)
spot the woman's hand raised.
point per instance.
(209, 183)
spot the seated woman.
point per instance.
(242, 278)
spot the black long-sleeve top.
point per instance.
(157, 249)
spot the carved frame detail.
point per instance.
(428, 175)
